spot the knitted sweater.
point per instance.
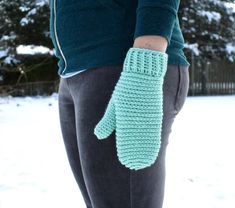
(94, 33)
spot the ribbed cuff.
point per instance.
(146, 61)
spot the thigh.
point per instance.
(68, 129)
(109, 183)
(106, 179)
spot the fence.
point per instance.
(206, 78)
(30, 88)
(211, 78)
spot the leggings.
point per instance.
(103, 181)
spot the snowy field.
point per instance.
(34, 172)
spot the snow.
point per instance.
(41, 2)
(216, 2)
(230, 48)
(11, 59)
(231, 6)
(25, 21)
(211, 15)
(3, 53)
(5, 37)
(24, 8)
(35, 171)
(32, 50)
(12, 36)
(32, 11)
(193, 47)
(216, 36)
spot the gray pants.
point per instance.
(103, 181)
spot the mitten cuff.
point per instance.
(146, 61)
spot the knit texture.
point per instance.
(135, 109)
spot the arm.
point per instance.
(153, 42)
(154, 23)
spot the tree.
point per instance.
(23, 22)
(209, 29)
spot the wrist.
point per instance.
(153, 42)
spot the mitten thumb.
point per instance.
(108, 122)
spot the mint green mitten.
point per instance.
(135, 109)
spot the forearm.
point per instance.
(153, 42)
(155, 21)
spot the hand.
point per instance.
(135, 109)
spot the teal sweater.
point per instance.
(94, 33)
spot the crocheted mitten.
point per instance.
(135, 109)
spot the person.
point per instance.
(123, 79)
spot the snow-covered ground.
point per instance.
(34, 171)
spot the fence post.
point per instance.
(192, 73)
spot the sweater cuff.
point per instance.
(155, 20)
